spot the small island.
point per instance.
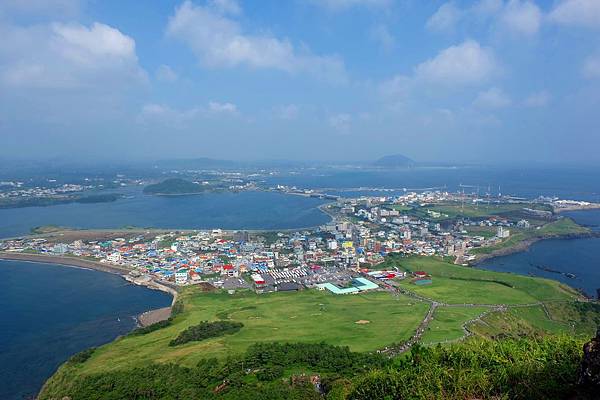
(174, 186)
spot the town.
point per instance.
(346, 255)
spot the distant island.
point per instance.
(395, 160)
(174, 186)
(56, 200)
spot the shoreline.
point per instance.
(527, 243)
(73, 262)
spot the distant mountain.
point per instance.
(174, 186)
(395, 160)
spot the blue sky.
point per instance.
(470, 81)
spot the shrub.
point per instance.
(206, 330)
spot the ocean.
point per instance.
(245, 210)
(580, 257)
(50, 312)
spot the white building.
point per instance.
(503, 232)
(181, 276)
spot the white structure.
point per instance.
(114, 257)
(181, 276)
(503, 233)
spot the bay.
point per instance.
(50, 312)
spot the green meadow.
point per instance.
(364, 322)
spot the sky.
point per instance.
(498, 81)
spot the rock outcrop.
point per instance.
(589, 375)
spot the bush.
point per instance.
(270, 373)
(516, 369)
(82, 356)
(151, 328)
(206, 330)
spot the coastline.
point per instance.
(144, 319)
(527, 243)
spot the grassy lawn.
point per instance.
(561, 227)
(307, 316)
(447, 323)
(469, 210)
(485, 231)
(458, 285)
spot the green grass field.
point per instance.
(561, 227)
(447, 323)
(458, 285)
(314, 316)
(307, 316)
(453, 210)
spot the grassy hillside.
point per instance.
(561, 227)
(469, 298)
(528, 368)
(308, 316)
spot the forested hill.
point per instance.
(174, 186)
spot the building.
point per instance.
(181, 276)
(503, 233)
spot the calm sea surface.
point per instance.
(580, 257)
(49, 312)
(247, 210)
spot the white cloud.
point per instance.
(521, 17)
(165, 73)
(466, 63)
(585, 13)
(226, 6)
(381, 34)
(338, 5)
(539, 99)
(153, 113)
(492, 98)
(591, 67)
(487, 7)
(445, 18)
(67, 56)
(340, 122)
(219, 41)
(217, 108)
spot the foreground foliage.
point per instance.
(542, 368)
(512, 369)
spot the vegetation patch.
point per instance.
(206, 330)
(151, 328)
(82, 356)
(174, 186)
(480, 369)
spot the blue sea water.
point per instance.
(580, 257)
(245, 210)
(50, 312)
(569, 183)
